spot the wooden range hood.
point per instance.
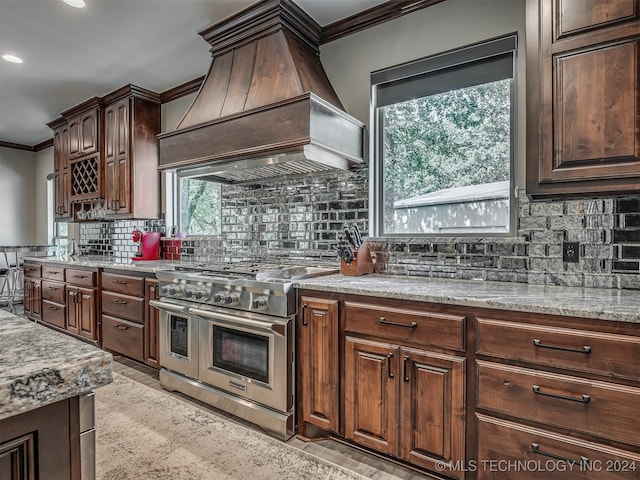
(266, 108)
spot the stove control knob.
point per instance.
(202, 295)
(232, 300)
(260, 303)
(164, 291)
(176, 291)
(190, 293)
(219, 297)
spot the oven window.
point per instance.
(243, 353)
(179, 335)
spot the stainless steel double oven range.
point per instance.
(227, 338)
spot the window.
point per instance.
(199, 206)
(443, 153)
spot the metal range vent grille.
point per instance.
(292, 167)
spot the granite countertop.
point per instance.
(99, 261)
(604, 304)
(39, 366)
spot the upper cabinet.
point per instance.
(132, 181)
(583, 97)
(83, 132)
(106, 153)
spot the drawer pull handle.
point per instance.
(121, 327)
(53, 288)
(405, 371)
(584, 399)
(120, 302)
(389, 371)
(80, 276)
(584, 349)
(384, 321)
(583, 462)
(120, 282)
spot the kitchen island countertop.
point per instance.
(39, 366)
(603, 304)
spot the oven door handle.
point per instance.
(224, 319)
(169, 306)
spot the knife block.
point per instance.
(361, 264)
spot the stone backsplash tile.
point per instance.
(301, 218)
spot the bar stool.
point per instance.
(8, 278)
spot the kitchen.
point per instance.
(295, 220)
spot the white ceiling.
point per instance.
(71, 55)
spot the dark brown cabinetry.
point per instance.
(129, 323)
(583, 97)
(132, 121)
(557, 391)
(84, 131)
(53, 296)
(398, 385)
(82, 303)
(318, 367)
(401, 397)
(62, 178)
(151, 324)
(106, 152)
(65, 298)
(42, 444)
(32, 299)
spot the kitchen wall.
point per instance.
(17, 187)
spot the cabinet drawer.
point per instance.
(32, 271)
(123, 284)
(53, 273)
(81, 278)
(581, 350)
(446, 331)
(53, 291)
(53, 313)
(599, 408)
(123, 306)
(123, 337)
(545, 454)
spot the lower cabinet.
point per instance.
(81, 312)
(129, 322)
(39, 444)
(32, 297)
(319, 373)
(151, 324)
(394, 373)
(405, 402)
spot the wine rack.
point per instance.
(85, 179)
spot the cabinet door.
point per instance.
(89, 132)
(117, 158)
(73, 313)
(35, 299)
(432, 409)
(151, 325)
(75, 145)
(583, 96)
(81, 312)
(371, 394)
(27, 297)
(318, 363)
(86, 306)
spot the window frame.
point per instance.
(174, 203)
(484, 50)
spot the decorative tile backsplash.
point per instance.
(298, 218)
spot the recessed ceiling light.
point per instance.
(12, 58)
(75, 3)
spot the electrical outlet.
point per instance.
(570, 252)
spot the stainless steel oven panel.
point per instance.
(277, 392)
(184, 364)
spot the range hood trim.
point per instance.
(265, 98)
